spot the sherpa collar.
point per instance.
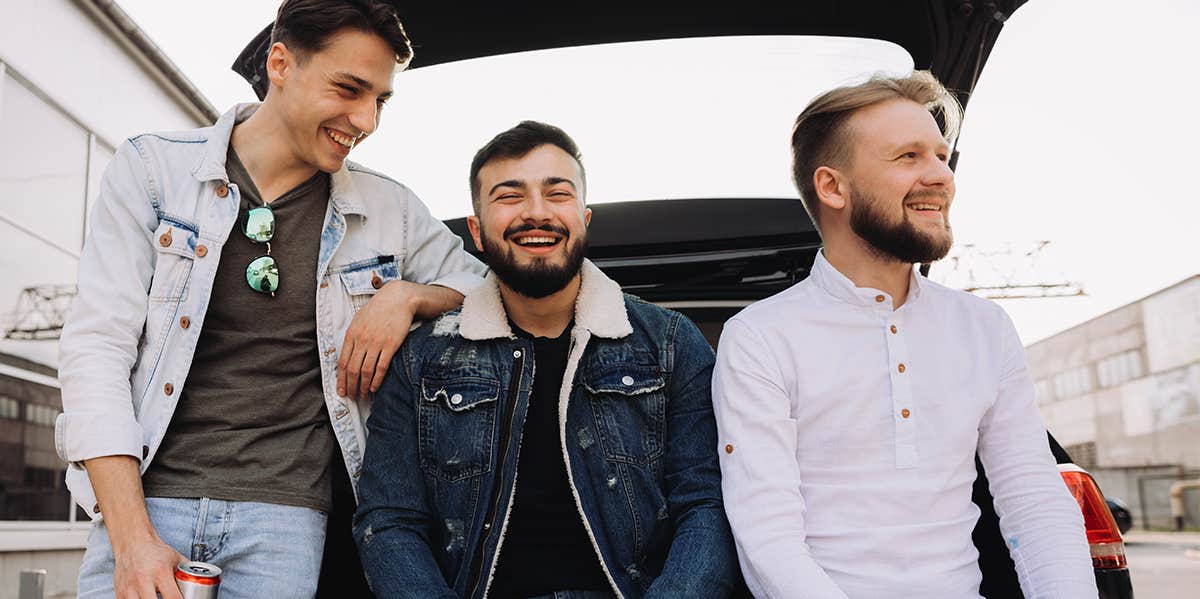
(599, 308)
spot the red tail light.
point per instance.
(1108, 550)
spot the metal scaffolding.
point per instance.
(40, 312)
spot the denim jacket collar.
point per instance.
(599, 308)
(342, 191)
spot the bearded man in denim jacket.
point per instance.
(555, 437)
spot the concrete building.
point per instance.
(76, 79)
(1121, 392)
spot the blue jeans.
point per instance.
(263, 549)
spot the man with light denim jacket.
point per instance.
(241, 291)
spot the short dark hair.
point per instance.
(517, 142)
(305, 26)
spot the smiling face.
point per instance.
(900, 183)
(532, 222)
(331, 99)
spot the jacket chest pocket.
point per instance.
(175, 251)
(458, 426)
(363, 280)
(628, 404)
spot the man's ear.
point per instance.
(473, 227)
(830, 186)
(280, 61)
(587, 216)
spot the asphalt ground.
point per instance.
(1164, 565)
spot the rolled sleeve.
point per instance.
(760, 475)
(99, 343)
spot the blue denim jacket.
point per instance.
(636, 427)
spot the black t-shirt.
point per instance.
(546, 547)
(251, 423)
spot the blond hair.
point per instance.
(820, 137)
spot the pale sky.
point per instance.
(1081, 130)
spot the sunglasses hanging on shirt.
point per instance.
(262, 274)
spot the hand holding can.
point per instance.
(198, 580)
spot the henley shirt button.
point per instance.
(905, 413)
(168, 388)
(456, 399)
(729, 448)
(879, 298)
(324, 284)
(893, 329)
(376, 282)
(185, 322)
(165, 239)
(222, 190)
(627, 380)
(901, 368)
(201, 251)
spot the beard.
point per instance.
(901, 241)
(541, 278)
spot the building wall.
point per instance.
(1122, 392)
(71, 90)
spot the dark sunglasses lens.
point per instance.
(263, 275)
(260, 224)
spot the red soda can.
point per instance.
(198, 580)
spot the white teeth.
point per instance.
(341, 139)
(925, 207)
(527, 240)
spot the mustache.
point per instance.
(522, 228)
(928, 193)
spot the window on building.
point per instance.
(1043, 391)
(1114, 370)
(1073, 382)
(10, 408)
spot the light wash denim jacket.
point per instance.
(638, 439)
(165, 209)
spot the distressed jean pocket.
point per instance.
(457, 426)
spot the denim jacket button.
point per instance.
(456, 399)
(627, 380)
(201, 251)
(517, 354)
(222, 190)
(376, 282)
(165, 239)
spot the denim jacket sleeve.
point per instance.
(394, 523)
(702, 561)
(435, 255)
(99, 343)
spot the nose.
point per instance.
(365, 116)
(536, 208)
(939, 174)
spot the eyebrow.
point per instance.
(918, 145)
(359, 81)
(518, 184)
